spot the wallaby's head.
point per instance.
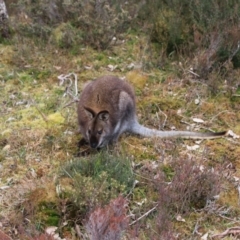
(98, 128)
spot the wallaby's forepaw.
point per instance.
(83, 148)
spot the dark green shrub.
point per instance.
(97, 22)
(96, 180)
(207, 31)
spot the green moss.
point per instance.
(52, 220)
(219, 154)
(2, 157)
(48, 214)
(164, 103)
(139, 194)
(58, 92)
(169, 171)
(25, 77)
(31, 117)
(101, 57)
(157, 78)
(235, 100)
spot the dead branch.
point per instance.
(230, 231)
(66, 80)
(238, 188)
(234, 52)
(79, 233)
(225, 111)
(144, 215)
(70, 103)
(165, 115)
(193, 73)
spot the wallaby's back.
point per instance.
(104, 93)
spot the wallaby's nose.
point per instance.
(93, 141)
(93, 144)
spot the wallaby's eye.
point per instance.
(100, 132)
(89, 131)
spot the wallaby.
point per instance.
(106, 109)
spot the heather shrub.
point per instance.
(191, 187)
(206, 31)
(216, 31)
(66, 36)
(94, 181)
(108, 222)
(97, 22)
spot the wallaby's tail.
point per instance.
(147, 132)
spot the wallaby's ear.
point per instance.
(89, 113)
(104, 115)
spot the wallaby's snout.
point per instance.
(93, 142)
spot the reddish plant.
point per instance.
(44, 237)
(108, 222)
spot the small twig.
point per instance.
(213, 208)
(208, 129)
(235, 52)
(142, 177)
(78, 232)
(70, 103)
(63, 78)
(134, 146)
(131, 190)
(230, 219)
(42, 114)
(234, 230)
(238, 188)
(232, 141)
(66, 79)
(66, 172)
(76, 87)
(165, 115)
(195, 74)
(195, 230)
(144, 215)
(189, 124)
(201, 127)
(218, 115)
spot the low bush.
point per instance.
(94, 181)
(97, 22)
(108, 222)
(191, 187)
(206, 31)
